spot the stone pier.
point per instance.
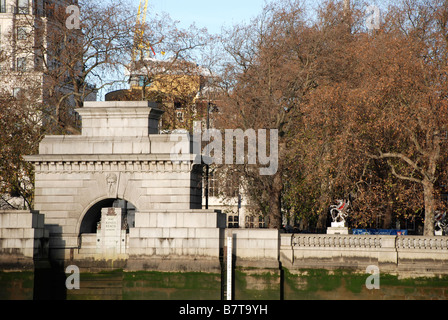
(120, 157)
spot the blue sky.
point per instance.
(210, 14)
(215, 14)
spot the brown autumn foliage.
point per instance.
(361, 113)
(20, 135)
(393, 112)
(272, 75)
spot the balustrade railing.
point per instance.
(347, 241)
(418, 242)
(368, 241)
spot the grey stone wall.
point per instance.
(23, 239)
(403, 255)
(195, 240)
(257, 248)
(177, 240)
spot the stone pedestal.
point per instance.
(337, 228)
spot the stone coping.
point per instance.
(120, 104)
(108, 157)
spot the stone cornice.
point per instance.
(112, 163)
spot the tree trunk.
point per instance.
(428, 192)
(387, 221)
(325, 192)
(321, 224)
(275, 205)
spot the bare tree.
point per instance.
(48, 69)
(70, 64)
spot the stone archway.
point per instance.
(92, 216)
(92, 235)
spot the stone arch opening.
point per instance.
(92, 217)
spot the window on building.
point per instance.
(261, 223)
(21, 64)
(16, 92)
(230, 186)
(249, 222)
(235, 222)
(2, 6)
(22, 33)
(212, 185)
(180, 116)
(232, 221)
(23, 6)
(226, 184)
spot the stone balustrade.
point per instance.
(336, 241)
(366, 241)
(396, 254)
(425, 243)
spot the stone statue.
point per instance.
(339, 211)
(440, 223)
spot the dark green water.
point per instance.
(249, 284)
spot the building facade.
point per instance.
(34, 46)
(33, 81)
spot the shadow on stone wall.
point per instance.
(49, 278)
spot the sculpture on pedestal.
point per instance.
(339, 213)
(440, 223)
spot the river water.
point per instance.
(248, 284)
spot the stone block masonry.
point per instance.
(257, 248)
(407, 256)
(23, 240)
(177, 240)
(119, 155)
